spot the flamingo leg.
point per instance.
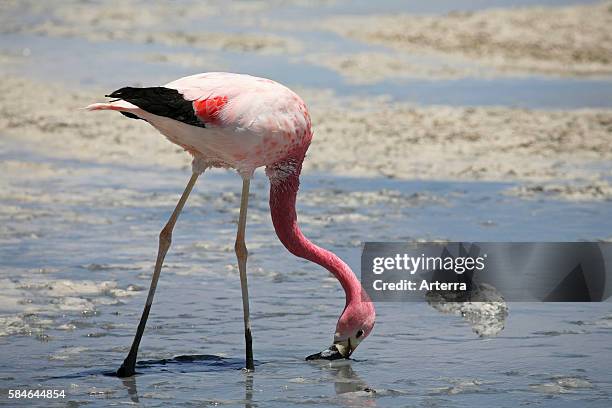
(242, 254)
(127, 369)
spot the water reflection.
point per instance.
(248, 390)
(130, 384)
(186, 364)
(351, 389)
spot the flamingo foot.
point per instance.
(128, 368)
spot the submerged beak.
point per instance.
(340, 349)
(345, 348)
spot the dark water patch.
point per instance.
(559, 332)
(191, 363)
(569, 355)
(179, 364)
(104, 267)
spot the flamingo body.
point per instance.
(246, 122)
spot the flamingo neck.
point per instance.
(284, 185)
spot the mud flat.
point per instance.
(353, 137)
(138, 23)
(537, 148)
(369, 67)
(571, 40)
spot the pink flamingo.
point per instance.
(243, 122)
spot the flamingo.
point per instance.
(243, 122)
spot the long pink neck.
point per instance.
(284, 186)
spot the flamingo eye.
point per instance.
(359, 333)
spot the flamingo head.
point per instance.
(355, 324)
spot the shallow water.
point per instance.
(78, 242)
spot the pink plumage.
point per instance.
(244, 122)
(251, 122)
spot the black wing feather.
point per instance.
(160, 101)
(131, 115)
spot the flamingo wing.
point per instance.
(196, 100)
(160, 101)
(237, 120)
(213, 99)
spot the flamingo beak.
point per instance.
(340, 349)
(345, 348)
